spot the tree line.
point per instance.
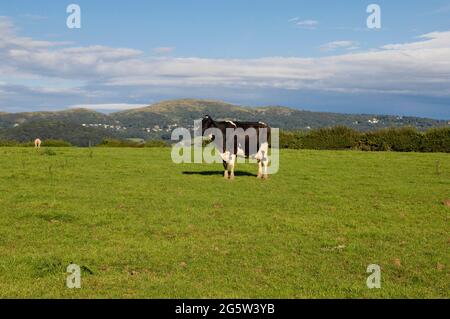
(407, 139)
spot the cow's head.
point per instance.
(207, 122)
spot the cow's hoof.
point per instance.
(266, 176)
(259, 176)
(232, 177)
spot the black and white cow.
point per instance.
(243, 139)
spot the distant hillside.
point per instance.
(183, 112)
(75, 116)
(158, 120)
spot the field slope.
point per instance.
(141, 226)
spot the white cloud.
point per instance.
(433, 40)
(331, 46)
(9, 38)
(421, 67)
(306, 24)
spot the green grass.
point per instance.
(140, 227)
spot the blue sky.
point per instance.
(316, 55)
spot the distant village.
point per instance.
(170, 127)
(155, 128)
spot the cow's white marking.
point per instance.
(226, 156)
(232, 123)
(259, 169)
(263, 158)
(262, 152)
(240, 151)
(231, 166)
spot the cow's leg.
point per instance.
(231, 165)
(263, 160)
(259, 169)
(265, 164)
(225, 166)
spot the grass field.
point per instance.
(141, 226)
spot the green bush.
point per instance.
(9, 143)
(132, 143)
(109, 142)
(335, 138)
(291, 140)
(156, 143)
(55, 143)
(436, 140)
(405, 139)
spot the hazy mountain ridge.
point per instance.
(157, 120)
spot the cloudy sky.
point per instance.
(315, 55)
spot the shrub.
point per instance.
(436, 140)
(291, 140)
(9, 143)
(405, 139)
(156, 143)
(55, 143)
(335, 138)
(109, 142)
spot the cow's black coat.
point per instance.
(230, 142)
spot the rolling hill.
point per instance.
(80, 126)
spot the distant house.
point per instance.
(156, 128)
